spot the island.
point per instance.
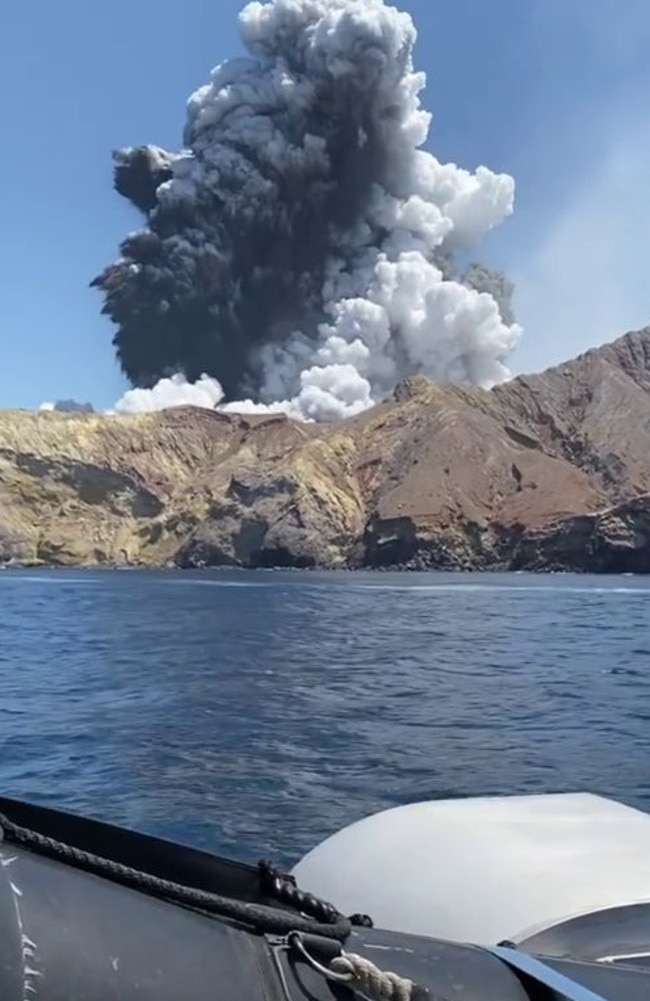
(548, 472)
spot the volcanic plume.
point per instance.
(300, 248)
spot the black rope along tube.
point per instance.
(325, 921)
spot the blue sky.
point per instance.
(553, 91)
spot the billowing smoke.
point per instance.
(206, 392)
(69, 407)
(175, 391)
(301, 247)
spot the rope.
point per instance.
(283, 886)
(367, 979)
(362, 976)
(264, 919)
(358, 973)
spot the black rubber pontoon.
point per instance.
(69, 933)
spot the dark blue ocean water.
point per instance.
(254, 714)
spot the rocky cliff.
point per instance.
(545, 472)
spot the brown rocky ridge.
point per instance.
(545, 472)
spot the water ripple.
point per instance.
(256, 713)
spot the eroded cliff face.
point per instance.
(546, 472)
(185, 485)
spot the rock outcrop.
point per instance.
(550, 471)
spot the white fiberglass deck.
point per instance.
(486, 869)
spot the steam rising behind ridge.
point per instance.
(298, 253)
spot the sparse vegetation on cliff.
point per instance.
(544, 472)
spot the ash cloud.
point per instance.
(299, 251)
(68, 407)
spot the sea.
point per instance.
(254, 714)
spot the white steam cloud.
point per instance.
(175, 391)
(388, 301)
